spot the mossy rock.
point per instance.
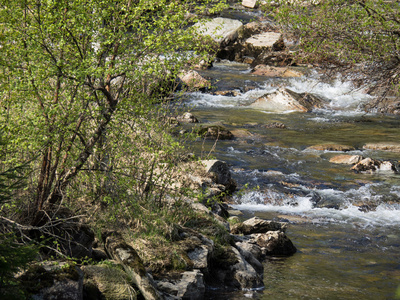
(107, 281)
(223, 257)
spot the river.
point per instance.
(344, 225)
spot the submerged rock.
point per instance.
(214, 132)
(331, 147)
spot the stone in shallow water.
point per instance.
(331, 147)
(392, 147)
(346, 159)
(257, 225)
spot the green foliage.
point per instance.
(14, 255)
(363, 36)
(83, 87)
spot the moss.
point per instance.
(36, 278)
(223, 257)
(108, 281)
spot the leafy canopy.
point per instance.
(81, 87)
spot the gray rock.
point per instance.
(244, 275)
(168, 287)
(221, 172)
(287, 100)
(369, 165)
(249, 257)
(257, 225)
(133, 265)
(193, 80)
(275, 243)
(200, 257)
(187, 117)
(224, 31)
(250, 3)
(265, 41)
(250, 247)
(57, 281)
(191, 286)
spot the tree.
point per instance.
(80, 87)
(359, 36)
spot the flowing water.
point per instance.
(344, 225)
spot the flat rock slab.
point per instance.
(266, 40)
(345, 159)
(249, 3)
(392, 147)
(331, 147)
(257, 225)
(221, 30)
(269, 71)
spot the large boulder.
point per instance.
(191, 285)
(274, 243)
(221, 173)
(244, 275)
(194, 81)
(223, 31)
(287, 100)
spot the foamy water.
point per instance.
(343, 98)
(383, 215)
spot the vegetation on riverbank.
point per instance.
(357, 38)
(85, 87)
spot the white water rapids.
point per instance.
(345, 203)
